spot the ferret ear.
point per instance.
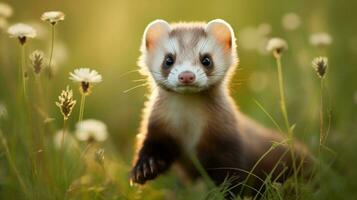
(222, 31)
(154, 32)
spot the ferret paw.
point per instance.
(146, 169)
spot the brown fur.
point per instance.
(229, 144)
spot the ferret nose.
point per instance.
(186, 77)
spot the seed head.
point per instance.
(320, 66)
(99, 156)
(66, 102)
(37, 60)
(277, 46)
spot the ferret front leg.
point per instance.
(156, 155)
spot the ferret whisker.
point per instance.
(135, 87)
(154, 72)
(139, 80)
(215, 71)
(128, 72)
(215, 74)
(200, 72)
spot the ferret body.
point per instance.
(190, 111)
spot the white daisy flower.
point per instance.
(21, 31)
(291, 21)
(86, 77)
(53, 17)
(320, 39)
(277, 45)
(91, 130)
(5, 10)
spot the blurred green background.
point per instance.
(106, 35)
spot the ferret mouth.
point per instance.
(188, 88)
(183, 88)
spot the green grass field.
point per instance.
(105, 36)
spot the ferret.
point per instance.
(190, 111)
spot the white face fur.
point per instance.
(188, 58)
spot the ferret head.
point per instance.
(188, 57)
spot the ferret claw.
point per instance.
(152, 165)
(138, 173)
(146, 169)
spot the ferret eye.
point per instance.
(169, 61)
(206, 61)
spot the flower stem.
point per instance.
(12, 163)
(62, 143)
(104, 170)
(81, 110)
(22, 71)
(321, 125)
(51, 54)
(286, 119)
(282, 95)
(321, 113)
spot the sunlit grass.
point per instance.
(32, 166)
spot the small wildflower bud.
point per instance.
(21, 32)
(26, 75)
(86, 77)
(37, 60)
(320, 66)
(53, 17)
(66, 102)
(277, 46)
(320, 39)
(99, 156)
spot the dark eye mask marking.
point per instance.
(167, 64)
(206, 63)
